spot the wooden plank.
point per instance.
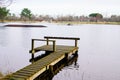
(25, 71)
(70, 38)
(72, 52)
(19, 77)
(31, 71)
(37, 74)
(67, 38)
(33, 42)
(50, 62)
(50, 48)
(14, 78)
(23, 74)
(57, 60)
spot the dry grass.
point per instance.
(1, 75)
(70, 22)
(7, 75)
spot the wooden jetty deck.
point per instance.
(57, 53)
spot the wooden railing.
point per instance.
(67, 38)
(50, 39)
(33, 43)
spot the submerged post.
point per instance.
(51, 69)
(66, 57)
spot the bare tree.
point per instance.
(5, 3)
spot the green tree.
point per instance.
(26, 14)
(95, 16)
(3, 13)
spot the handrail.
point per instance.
(33, 41)
(68, 38)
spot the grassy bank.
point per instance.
(68, 22)
(76, 23)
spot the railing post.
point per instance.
(54, 46)
(75, 42)
(32, 46)
(32, 55)
(47, 41)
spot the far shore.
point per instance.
(60, 22)
(77, 23)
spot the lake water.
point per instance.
(99, 49)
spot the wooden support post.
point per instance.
(47, 41)
(75, 42)
(54, 46)
(76, 53)
(51, 69)
(66, 57)
(32, 58)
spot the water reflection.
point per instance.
(48, 75)
(3, 41)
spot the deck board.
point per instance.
(58, 48)
(31, 71)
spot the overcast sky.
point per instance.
(67, 7)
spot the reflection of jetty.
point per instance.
(47, 75)
(24, 25)
(55, 56)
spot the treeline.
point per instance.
(26, 15)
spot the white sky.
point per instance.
(67, 7)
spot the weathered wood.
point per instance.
(33, 70)
(66, 57)
(54, 46)
(76, 43)
(33, 43)
(47, 41)
(61, 48)
(69, 38)
(58, 53)
(51, 69)
(32, 55)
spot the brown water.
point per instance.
(99, 50)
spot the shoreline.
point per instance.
(77, 23)
(35, 23)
